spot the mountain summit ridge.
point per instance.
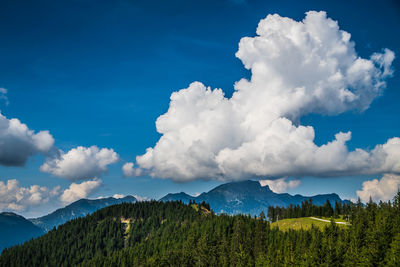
(248, 197)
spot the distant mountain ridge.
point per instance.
(77, 209)
(248, 197)
(15, 229)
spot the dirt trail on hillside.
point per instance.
(322, 220)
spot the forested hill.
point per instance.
(174, 234)
(249, 197)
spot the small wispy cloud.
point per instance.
(140, 198)
(3, 95)
(280, 185)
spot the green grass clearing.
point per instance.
(303, 223)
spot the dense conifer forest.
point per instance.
(174, 234)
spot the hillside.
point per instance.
(77, 209)
(15, 229)
(248, 197)
(174, 234)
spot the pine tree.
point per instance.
(393, 255)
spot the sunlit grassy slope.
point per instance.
(302, 223)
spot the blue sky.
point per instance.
(101, 73)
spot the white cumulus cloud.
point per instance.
(383, 189)
(18, 142)
(80, 163)
(280, 185)
(13, 197)
(297, 68)
(78, 191)
(3, 95)
(129, 170)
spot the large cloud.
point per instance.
(383, 189)
(78, 191)
(16, 198)
(296, 68)
(80, 163)
(18, 142)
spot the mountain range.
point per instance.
(249, 197)
(245, 197)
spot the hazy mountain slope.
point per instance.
(15, 229)
(77, 209)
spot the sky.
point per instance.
(100, 98)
